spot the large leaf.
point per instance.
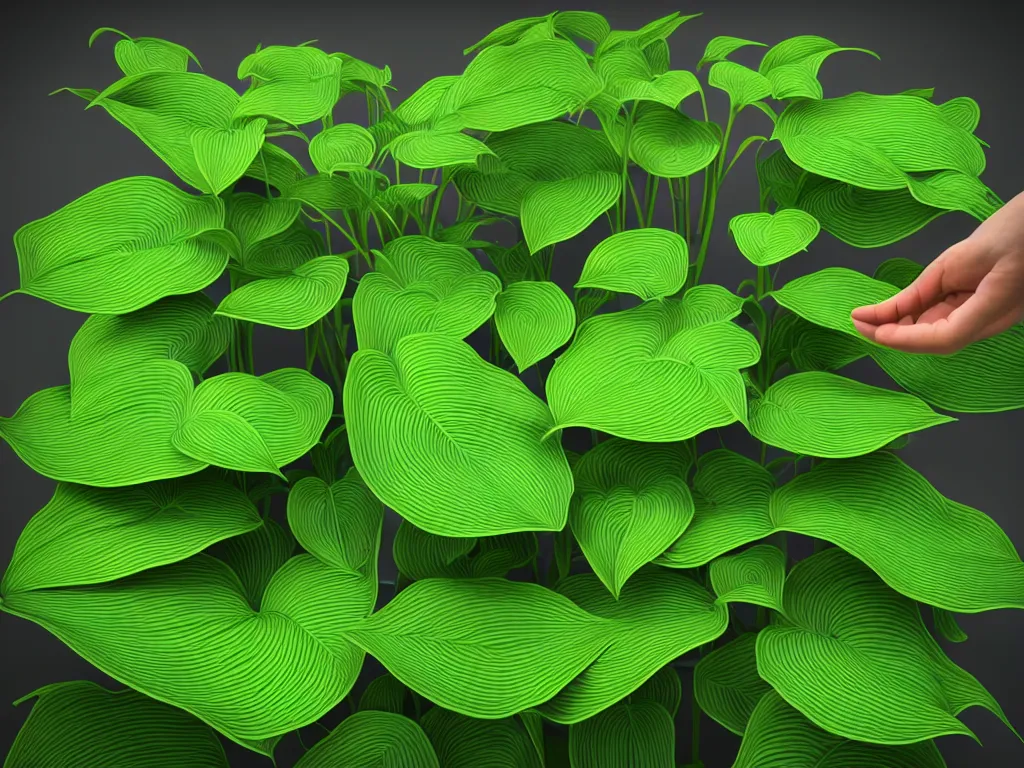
(464, 742)
(726, 684)
(650, 263)
(454, 444)
(294, 84)
(342, 147)
(792, 66)
(294, 301)
(666, 142)
(817, 413)
(556, 176)
(658, 617)
(80, 723)
(767, 239)
(89, 535)
(874, 141)
(421, 285)
(186, 118)
(947, 553)
(485, 648)
(856, 659)
(185, 634)
(122, 246)
(639, 733)
(983, 377)
(534, 318)
(660, 372)
(371, 739)
(778, 736)
(631, 502)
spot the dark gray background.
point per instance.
(54, 152)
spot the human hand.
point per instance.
(973, 290)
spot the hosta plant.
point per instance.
(597, 482)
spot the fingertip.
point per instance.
(865, 329)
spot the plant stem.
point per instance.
(651, 192)
(686, 209)
(714, 182)
(625, 168)
(695, 731)
(438, 195)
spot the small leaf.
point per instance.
(754, 576)
(434, 149)
(638, 733)
(223, 154)
(667, 143)
(553, 211)
(945, 625)
(463, 742)
(151, 54)
(384, 694)
(726, 684)
(293, 302)
(369, 739)
(256, 218)
(80, 723)
(631, 502)
(342, 147)
(863, 674)
(276, 166)
(296, 84)
(533, 319)
(650, 263)
(744, 85)
(767, 239)
(664, 688)
(792, 65)
(122, 246)
(255, 557)
(474, 429)
(962, 111)
(778, 736)
(719, 48)
(821, 414)
(485, 648)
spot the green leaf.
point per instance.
(767, 239)
(122, 246)
(254, 424)
(660, 372)
(463, 742)
(792, 65)
(667, 143)
(820, 349)
(945, 625)
(558, 177)
(255, 557)
(534, 318)
(816, 413)
(151, 54)
(508, 33)
(658, 617)
(631, 502)
(507, 86)
(664, 687)
(726, 684)
(719, 48)
(384, 694)
(485, 648)
(856, 659)
(434, 149)
(280, 255)
(744, 85)
(962, 111)
(370, 739)
(473, 429)
(585, 25)
(983, 377)
(659, 29)
(340, 524)
(342, 147)
(639, 733)
(187, 119)
(754, 576)
(421, 285)
(294, 301)
(185, 634)
(898, 271)
(80, 723)
(422, 555)
(778, 736)
(294, 84)
(629, 76)
(650, 263)
(254, 219)
(276, 167)
(89, 535)
(874, 141)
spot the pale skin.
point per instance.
(973, 290)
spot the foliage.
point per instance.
(569, 538)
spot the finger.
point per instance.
(925, 291)
(924, 338)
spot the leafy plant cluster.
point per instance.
(159, 560)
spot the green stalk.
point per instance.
(686, 209)
(714, 182)
(651, 192)
(675, 203)
(636, 203)
(625, 167)
(438, 196)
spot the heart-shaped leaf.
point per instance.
(534, 318)
(753, 576)
(122, 246)
(370, 739)
(80, 723)
(650, 263)
(637, 733)
(660, 372)
(863, 673)
(792, 65)
(297, 84)
(223, 154)
(726, 684)
(631, 502)
(421, 285)
(767, 239)
(658, 617)
(485, 648)
(342, 147)
(474, 429)
(666, 142)
(463, 742)
(816, 413)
